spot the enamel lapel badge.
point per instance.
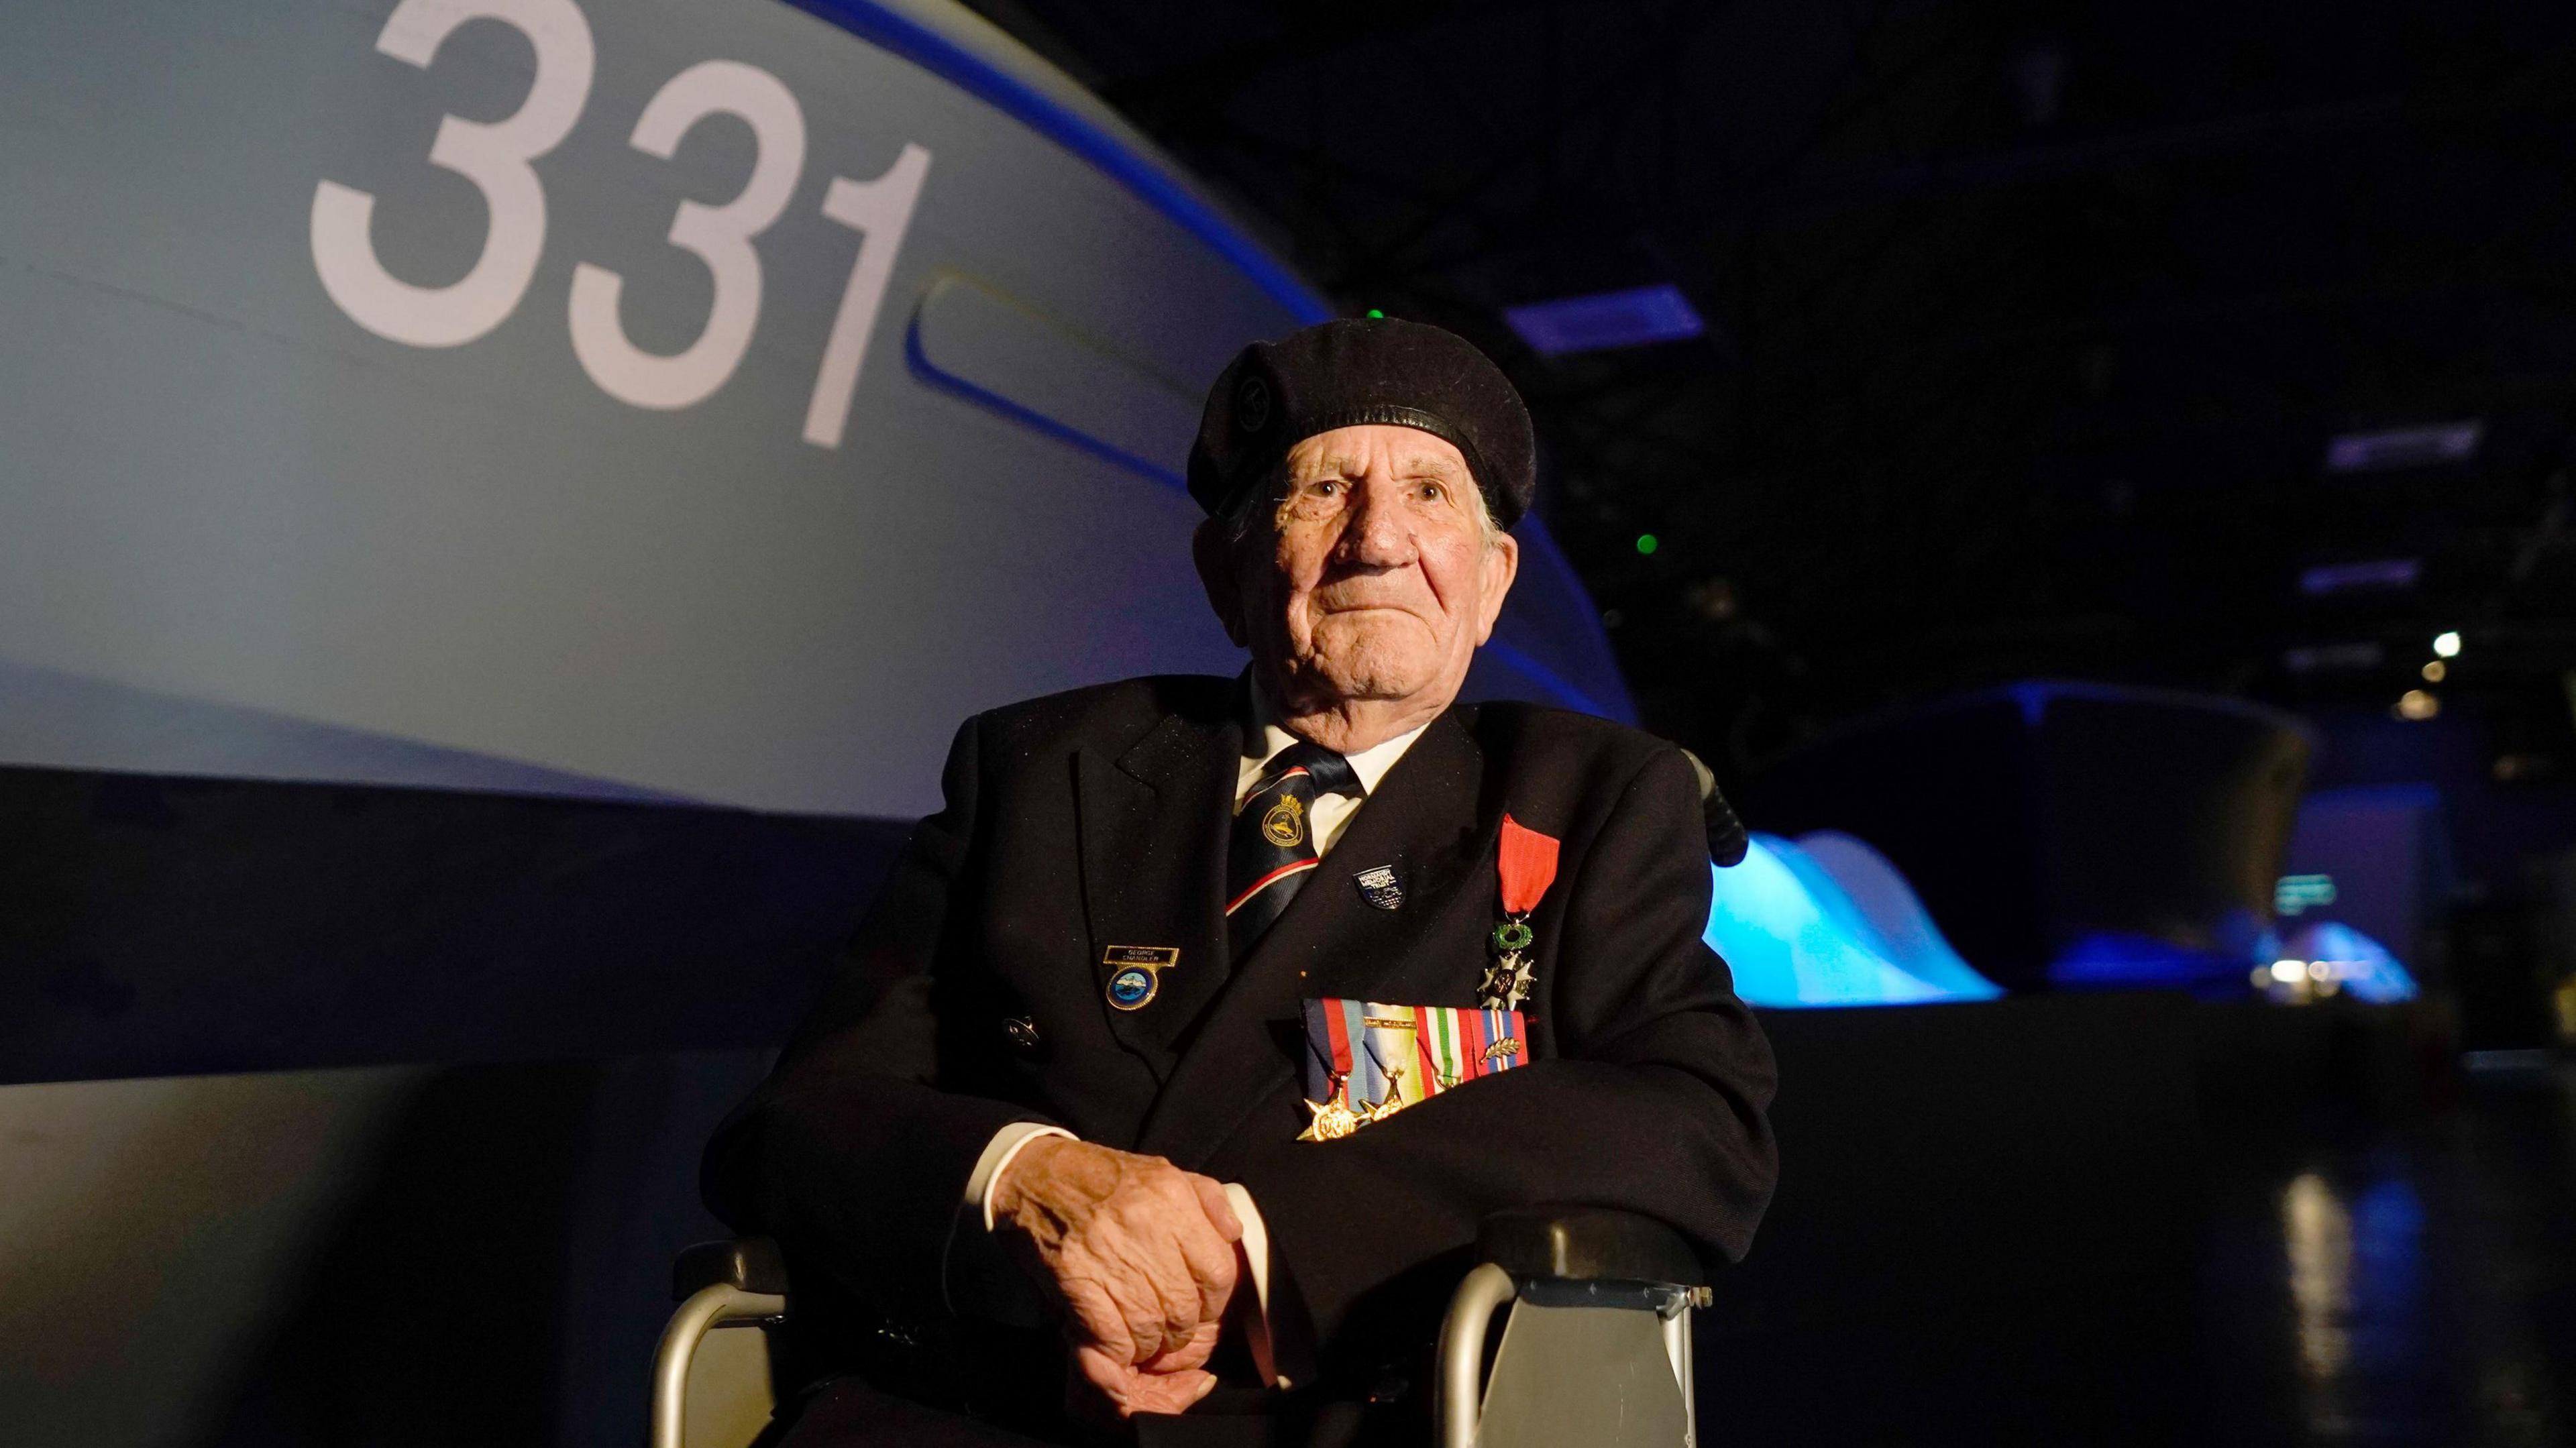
(1526, 863)
(1378, 886)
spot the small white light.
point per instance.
(2286, 971)
(2447, 643)
(2317, 970)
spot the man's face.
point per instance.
(1378, 577)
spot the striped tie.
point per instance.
(1273, 848)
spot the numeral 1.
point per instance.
(879, 211)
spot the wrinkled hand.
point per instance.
(1140, 1256)
(1100, 1391)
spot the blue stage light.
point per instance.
(2405, 447)
(1827, 921)
(2341, 959)
(1606, 319)
(2379, 573)
(2128, 960)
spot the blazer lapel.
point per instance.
(1426, 819)
(1153, 828)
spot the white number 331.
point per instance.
(496, 157)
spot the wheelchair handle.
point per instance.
(720, 1304)
(1485, 1292)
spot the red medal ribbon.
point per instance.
(1338, 1035)
(1527, 863)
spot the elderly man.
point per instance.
(1073, 1145)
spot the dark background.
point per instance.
(2028, 324)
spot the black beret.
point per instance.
(1357, 370)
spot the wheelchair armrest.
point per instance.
(1573, 1374)
(1577, 1243)
(718, 1284)
(747, 1264)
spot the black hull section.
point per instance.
(159, 925)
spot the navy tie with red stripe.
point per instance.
(1273, 848)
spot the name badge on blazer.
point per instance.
(1137, 973)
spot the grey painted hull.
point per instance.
(483, 563)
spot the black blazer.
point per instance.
(1099, 818)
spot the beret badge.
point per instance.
(1252, 404)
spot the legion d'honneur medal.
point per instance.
(1526, 862)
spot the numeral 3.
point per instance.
(720, 235)
(494, 155)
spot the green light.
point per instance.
(1647, 543)
(1374, 312)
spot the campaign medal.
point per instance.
(1331, 1061)
(1136, 973)
(1526, 864)
(1389, 1104)
(1368, 1060)
(1358, 1055)
(1333, 1118)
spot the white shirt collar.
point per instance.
(1370, 764)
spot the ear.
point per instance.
(1500, 565)
(1215, 559)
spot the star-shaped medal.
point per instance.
(1332, 1121)
(1389, 1104)
(1507, 983)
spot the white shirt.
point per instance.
(1331, 815)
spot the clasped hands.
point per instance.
(1139, 1257)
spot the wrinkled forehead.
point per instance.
(1354, 451)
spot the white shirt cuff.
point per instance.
(1006, 1144)
(1256, 1261)
(971, 1271)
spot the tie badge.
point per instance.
(1285, 825)
(1379, 887)
(1137, 973)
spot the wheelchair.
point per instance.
(1595, 1346)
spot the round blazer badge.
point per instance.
(1285, 825)
(1131, 989)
